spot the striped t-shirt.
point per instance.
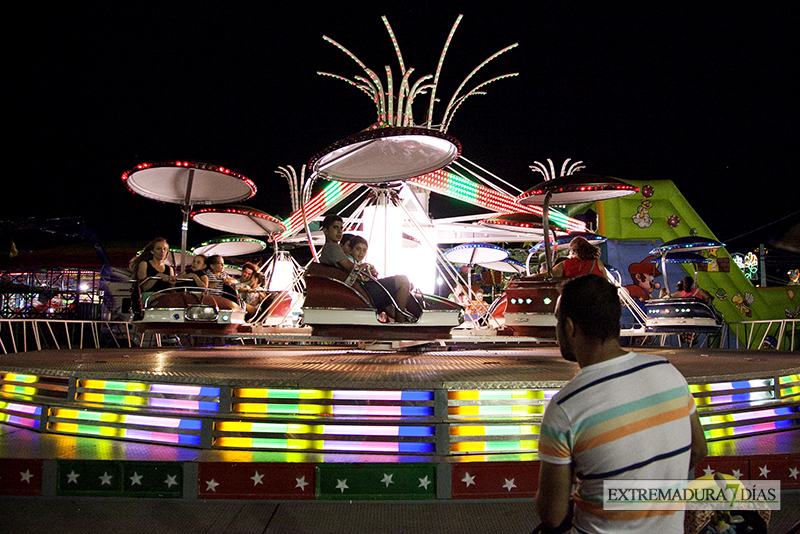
(625, 418)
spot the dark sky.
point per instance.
(702, 93)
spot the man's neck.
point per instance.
(600, 352)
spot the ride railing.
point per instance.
(767, 334)
(22, 335)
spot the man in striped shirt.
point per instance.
(625, 415)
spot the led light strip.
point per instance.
(451, 184)
(322, 201)
(145, 391)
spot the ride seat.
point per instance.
(326, 288)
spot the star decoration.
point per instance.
(509, 485)
(424, 482)
(301, 483)
(257, 479)
(387, 479)
(212, 485)
(708, 471)
(136, 479)
(793, 472)
(468, 480)
(342, 485)
(105, 479)
(171, 481)
(763, 471)
(26, 476)
(736, 474)
(72, 476)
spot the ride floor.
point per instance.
(324, 423)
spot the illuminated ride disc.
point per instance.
(475, 253)
(188, 183)
(681, 246)
(504, 266)
(575, 189)
(565, 239)
(238, 220)
(681, 257)
(518, 223)
(230, 246)
(385, 155)
(688, 243)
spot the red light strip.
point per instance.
(446, 183)
(318, 204)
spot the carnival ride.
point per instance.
(315, 410)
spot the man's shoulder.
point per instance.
(607, 375)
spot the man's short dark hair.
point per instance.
(250, 265)
(593, 304)
(346, 238)
(330, 219)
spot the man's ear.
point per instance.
(569, 327)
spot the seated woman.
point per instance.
(150, 268)
(197, 276)
(584, 258)
(253, 293)
(691, 290)
(398, 286)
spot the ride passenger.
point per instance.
(150, 268)
(358, 251)
(197, 276)
(584, 258)
(217, 279)
(253, 292)
(398, 286)
(345, 243)
(246, 277)
(691, 290)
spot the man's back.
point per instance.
(624, 418)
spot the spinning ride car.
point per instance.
(334, 307)
(188, 183)
(682, 314)
(530, 303)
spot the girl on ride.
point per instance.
(584, 258)
(150, 268)
(197, 276)
(217, 279)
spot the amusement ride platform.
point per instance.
(302, 422)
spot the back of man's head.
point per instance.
(593, 305)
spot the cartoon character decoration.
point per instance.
(643, 275)
(642, 217)
(673, 221)
(743, 303)
(748, 264)
(794, 278)
(792, 314)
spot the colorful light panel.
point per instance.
(144, 392)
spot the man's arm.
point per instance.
(699, 445)
(555, 489)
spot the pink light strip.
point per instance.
(391, 411)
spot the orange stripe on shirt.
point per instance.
(631, 428)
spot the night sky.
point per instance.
(700, 93)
